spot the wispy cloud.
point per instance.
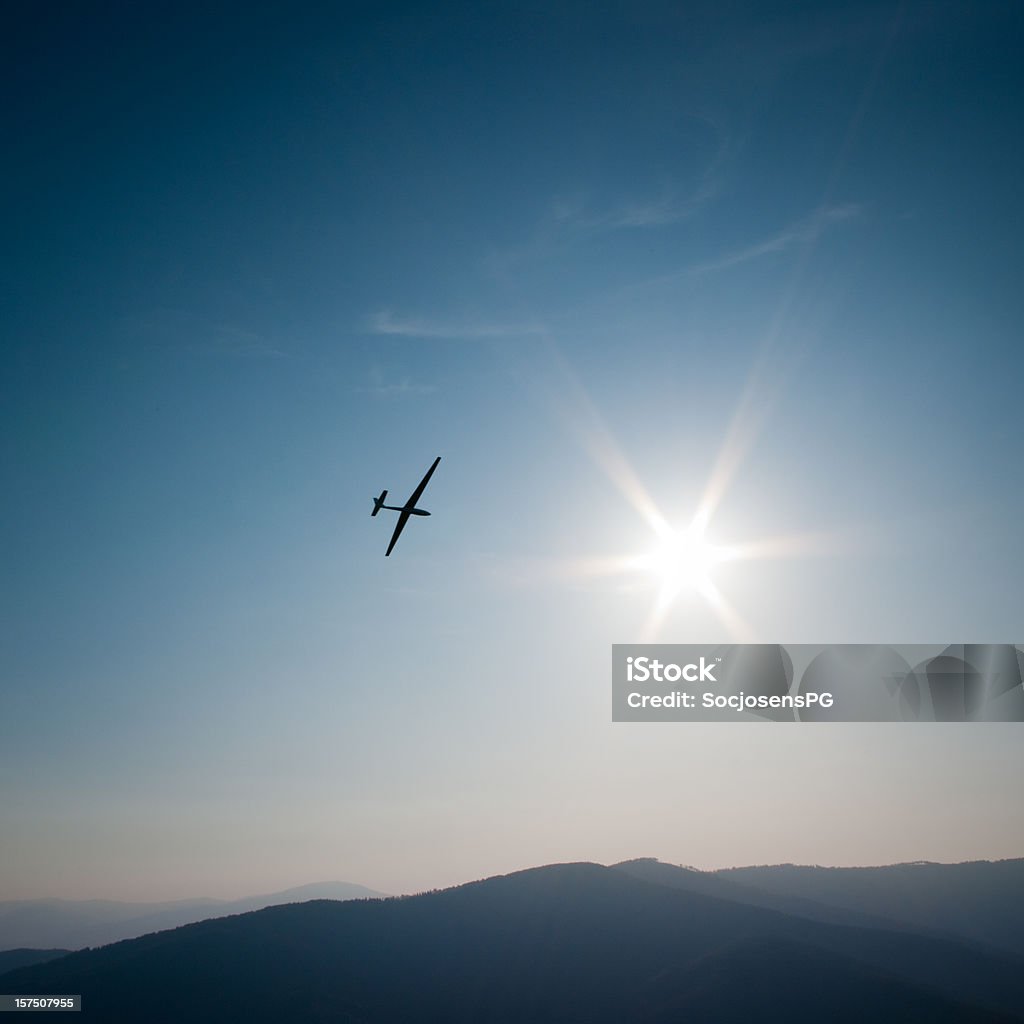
(404, 387)
(799, 233)
(577, 214)
(238, 341)
(386, 323)
(186, 331)
(573, 221)
(575, 218)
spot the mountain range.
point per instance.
(73, 924)
(640, 941)
(978, 900)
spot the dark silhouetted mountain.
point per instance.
(713, 883)
(11, 958)
(567, 943)
(78, 923)
(978, 900)
(768, 980)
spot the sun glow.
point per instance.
(682, 562)
(682, 566)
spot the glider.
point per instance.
(406, 510)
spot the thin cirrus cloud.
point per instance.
(186, 331)
(381, 387)
(669, 208)
(573, 220)
(672, 205)
(804, 232)
(386, 323)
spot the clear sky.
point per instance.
(618, 264)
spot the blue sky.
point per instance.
(600, 258)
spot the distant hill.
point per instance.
(713, 883)
(978, 900)
(566, 943)
(74, 924)
(11, 958)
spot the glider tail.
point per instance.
(377, 502)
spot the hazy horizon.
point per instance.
(628, 269)
(231, 895)
(217, 897)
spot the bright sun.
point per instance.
(682, 563)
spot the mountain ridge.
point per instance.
(75, 924)
(568, 942)
(979, 900)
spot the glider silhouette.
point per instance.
(406, 510)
